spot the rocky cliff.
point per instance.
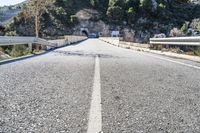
(137, 20)
(8, 12)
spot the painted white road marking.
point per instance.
(177, 62)
(95, 116)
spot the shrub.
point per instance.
(19, 50)
(184, 28)
(115, 13)
(198, 26)
(146, 4)
(131, 10)
(175, 32)
(74, 19)
(1, 49)
(162, 6)
(131, 15)
(197, 51)
(11, 33)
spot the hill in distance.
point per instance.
(137, 20)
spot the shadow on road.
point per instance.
(23, 58)
(34, 55)
(81, 54)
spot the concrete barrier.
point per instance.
(68, 40)
(74, 39)
(117, 42)
(112, 40)
(146, 48)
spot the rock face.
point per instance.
(154, 4)
(162, 35)
(128, 35)
(7, 12)
(4, 56)
(89, 22)
(86, 27)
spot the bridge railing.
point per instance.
(187, 41)
(111, 40)
(13, 40)
(120, 43)
(73, 39)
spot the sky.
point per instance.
(10, 2)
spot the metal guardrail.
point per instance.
(188, 41)
(8, 40)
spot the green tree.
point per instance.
(146, 5)
(131, 15)
(132, 4)
(115, 13)
(36, 8)
(184, 28)
(198, 26)
(100, 5)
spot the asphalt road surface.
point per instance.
(94, 87)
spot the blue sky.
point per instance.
(10, 2)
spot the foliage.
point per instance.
(162, 6)
(131, 15)
(11, 33)
(184, 28)
(115, 14)
(19, 50)
(197, 51)
(36, 8)
(101, 5)
(74, 19)
(146, 4)
(198, 26)
(57, 16)
(15, 51)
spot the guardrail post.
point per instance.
(30, 46)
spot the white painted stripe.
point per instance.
(95, 117)
(177, 62)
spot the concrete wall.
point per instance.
(68, 40)
(74, 39)
(117, 42)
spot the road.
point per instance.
(93, 86)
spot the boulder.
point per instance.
(162, 35)
(128, 35)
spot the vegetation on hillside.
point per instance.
(59, 17)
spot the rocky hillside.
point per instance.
(137, 20)
(8, 12)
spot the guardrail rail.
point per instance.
(14, 40)
(188, 41)
(8, 40)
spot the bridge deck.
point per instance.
(139, 92)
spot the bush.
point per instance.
(19, 50)
(162, 6)
(184, 28)
(197, 51)
(11, 33)
(1, 49)
(131, 10)
(198, 26)
(115, 13)
(175, 32)
(74, 19)
(146, 4)
(131, 15)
